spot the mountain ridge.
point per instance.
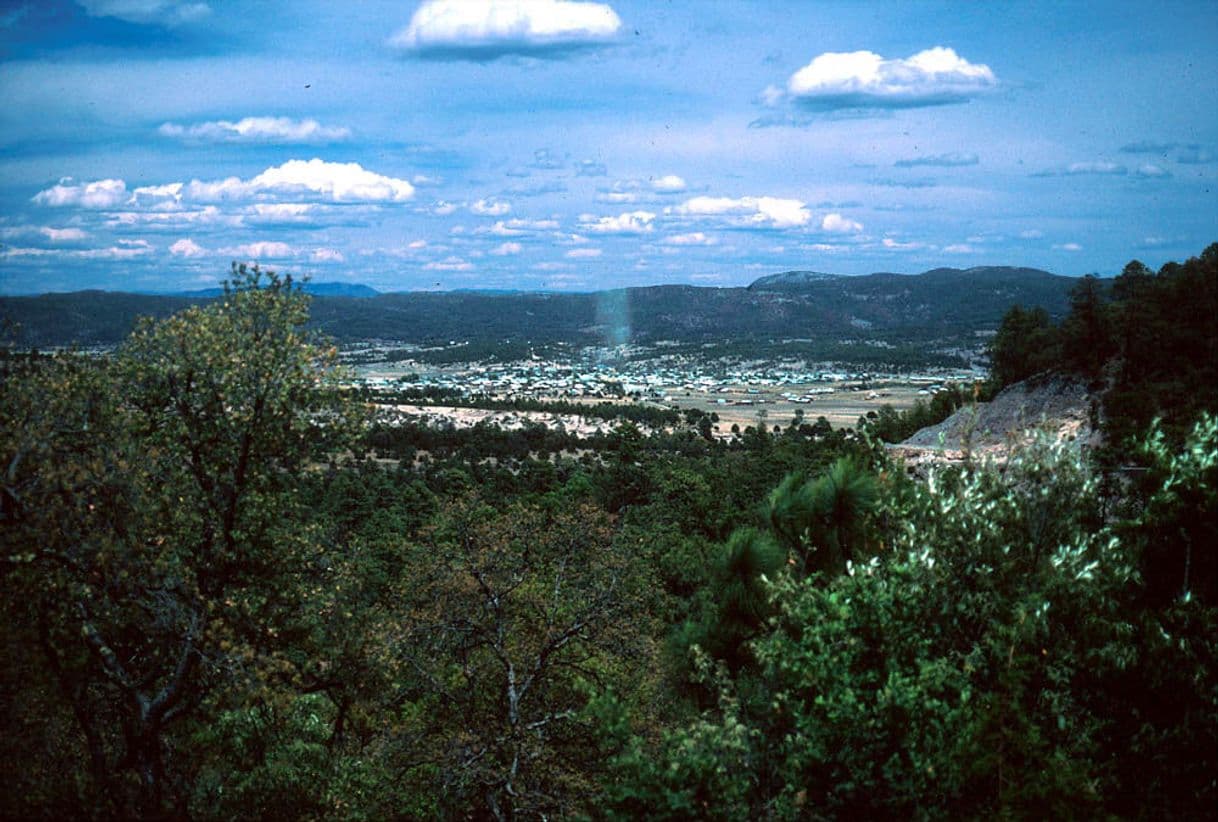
(939, 304)
(327, 289)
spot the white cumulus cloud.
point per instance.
(517, 226)
(269, 213)
(327, 255)
(1152, 170)
(97, 194)
(491, 208)
(693, 238)
(339, 182)
(166, 197)
(257, 130)
(122, 250)
(262, 250)
(766, 212)
(507, 249)
(864, 79)
(450, 264)
(668, 183)
(62, 235)
(173, 219)
(617, 197)
(582, 253)
(837, 224)
(187, 247)
(1095, 167)
(493, 28)
(294, 180)
(629, 222)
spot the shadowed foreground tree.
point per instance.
(1027, 343)
(146, 505)
(516, 620)
(1086, 333)
(738, 598)
(817, 527)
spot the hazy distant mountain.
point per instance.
(789, 280)
(987, 275)
(942, 298)
(941, 304)
(316, 289)
(339, 290)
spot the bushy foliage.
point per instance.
(992, 661)
(148, 507)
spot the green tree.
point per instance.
(1026, 344)
(1087, 340)
(823, 521)
(515, 620)
(147, 501)
(738, 596)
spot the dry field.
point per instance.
(842, 408)
(507, 420)
(841, 403)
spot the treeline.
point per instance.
(218, 604)
(639, 413)
(887, 351)
(1148, 340)
(408, 440)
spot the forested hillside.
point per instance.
(229, 591)
(944, 304)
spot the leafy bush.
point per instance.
(999, 658)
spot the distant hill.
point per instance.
(340, 290)
(942, 300)
(943, 304)
(81, 317)
(316, 289)
(789, 280)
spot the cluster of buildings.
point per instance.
(597, 378)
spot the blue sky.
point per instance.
(541, 144)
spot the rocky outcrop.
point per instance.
(1059, 405)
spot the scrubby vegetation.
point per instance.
(225, 596)
(891, 425)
